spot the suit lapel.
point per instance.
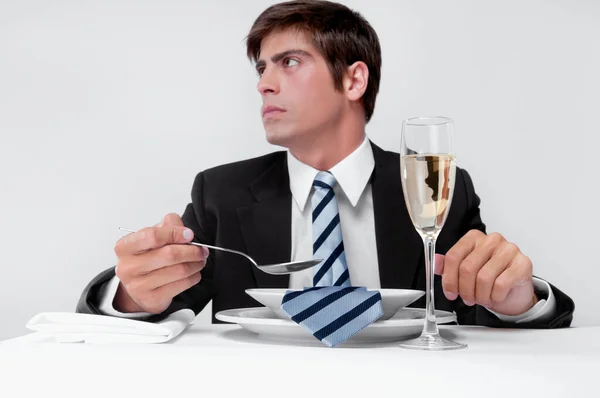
(399, 246)
(267, 224)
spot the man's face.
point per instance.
(299, 98)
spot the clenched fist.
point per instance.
(154, 265)
(489, 271)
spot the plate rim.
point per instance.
(271, 291)
(288, 322)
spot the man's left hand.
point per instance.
(489, 271)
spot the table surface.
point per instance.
(228, 360)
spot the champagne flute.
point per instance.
(428, 169)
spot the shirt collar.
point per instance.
(352, 174)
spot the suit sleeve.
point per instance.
(196, 297)
(478, 315)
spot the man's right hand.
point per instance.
(154, 265)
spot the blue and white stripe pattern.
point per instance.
(333, 314)
(327, 235)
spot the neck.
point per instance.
(326, 149)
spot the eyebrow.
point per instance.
(279, 56)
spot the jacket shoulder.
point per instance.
(242, 171)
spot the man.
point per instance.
(319, 71)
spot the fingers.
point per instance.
(488, 274)
(166, 275)
(171, 219)
(152, 238)
(144, 284)
(472, 265)
(439, 264)
(454, 257)
(519, 272)
(489, 271)
(167, 256)
(174, 288)
(155, 263)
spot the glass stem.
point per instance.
(430, 328)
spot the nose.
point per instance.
(268, 83)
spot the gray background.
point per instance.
(108, 109)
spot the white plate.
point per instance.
(391, 299)
(406, 323)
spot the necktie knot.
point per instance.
(324, 179)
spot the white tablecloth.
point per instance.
(226, 360)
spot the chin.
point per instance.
(279, 137)
(289, 136)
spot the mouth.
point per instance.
(271, 111)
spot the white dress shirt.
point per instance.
(355, 205)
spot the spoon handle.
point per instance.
(223, 249)
(208, 246)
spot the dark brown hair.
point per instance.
(341, 36)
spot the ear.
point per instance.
(356, 80)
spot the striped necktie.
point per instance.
(333, 314)
(327, 235)
(332, 310)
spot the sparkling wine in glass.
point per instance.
(428, 170)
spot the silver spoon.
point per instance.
(274, 269)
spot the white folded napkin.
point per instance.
(68, 327)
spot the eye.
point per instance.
(259, 71)
(290, 62)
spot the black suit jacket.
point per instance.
(246, 206)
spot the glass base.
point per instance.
(432, 343)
